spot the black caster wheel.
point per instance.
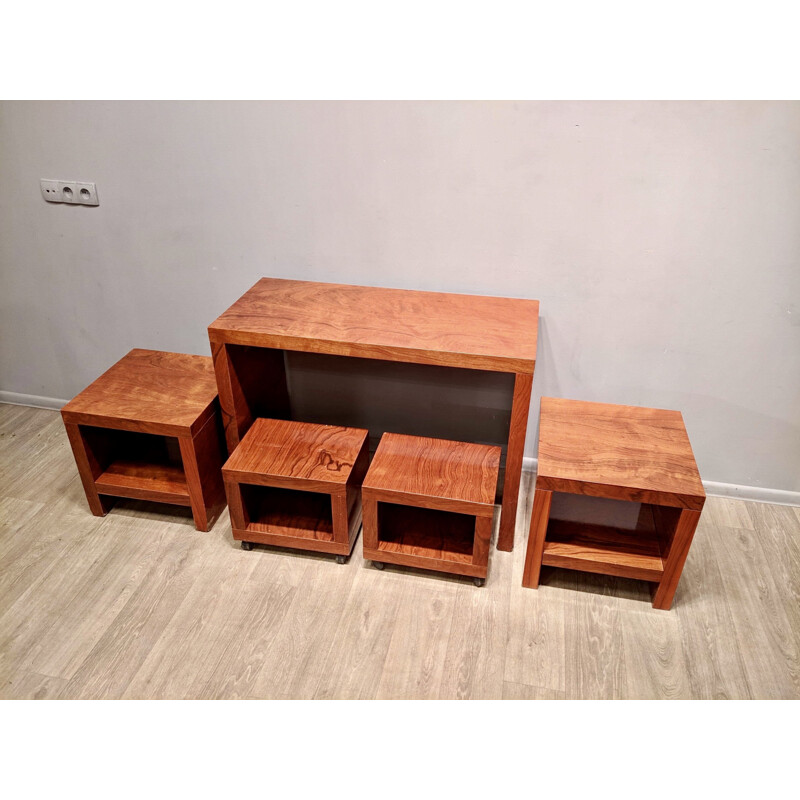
(247, 545)
(377, 564)
(478, 581)
(341, 559)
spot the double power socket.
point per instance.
(73, 192)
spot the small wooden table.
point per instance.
(430, 503)
(483, 333)
(149, 429)
(642, 455)
(295, 484)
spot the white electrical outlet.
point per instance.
(68, 191)
(87, 194)
(72, 192)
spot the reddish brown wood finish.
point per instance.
(678, 541)
(456, 330)
(618, 452)
(599, 548)
(202, 457)
(171, 394)
(624, 452)
(148, 429)
(474, 332)
(252, 383)
(533, 556)
(516, 447)
(434, 473)
(89, 469)
(429, 503)
(295, 484)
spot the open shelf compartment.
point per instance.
(426, 533)
(137, 465)
(597, 540)
(287, 512)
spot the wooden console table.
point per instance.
(494, 334)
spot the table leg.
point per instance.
(516, 444)
(223, 370)
(202, 463)
(533, 555)
(369, 531)
(483, 535)
(251, 382)
(239, 517)
(341, 521)
(89, 468)
(675, 558)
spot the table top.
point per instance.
(438, 468)
(457, 330)
(171, 394)
(622, 452)
(298, 450)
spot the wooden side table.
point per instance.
(295, 484)
(641, 455)
(149, 429)
(430, 503)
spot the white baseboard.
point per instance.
(779, 497)
(34, 400)
(759, 494)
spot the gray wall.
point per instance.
(662, 239)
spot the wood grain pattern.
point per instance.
(252, 384)
(426, 533)
(781, 546)
(147, 429)
(520, 408)
(521, 691)
(360, 644)
(33, 686)
(122, 649)
(762, 633)
(477, 647)
(314, 454)
(171, 394)
(89, 468)
(137, 600)
(593, 632)
(451, 476)
(165, 483)
(388, 324)
(253, 626)
(675, 557)
(286, 512)
(655, 658)
(420, 538)
(186, 653)
(414, 663)
(295, 663)
(202, 457)
(714, 664)
(536, 647)
(540, 515)
(623, 452)
(429, 503)
(602, 549)
(275, 315)
(295, 484)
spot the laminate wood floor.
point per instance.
(141, 605)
